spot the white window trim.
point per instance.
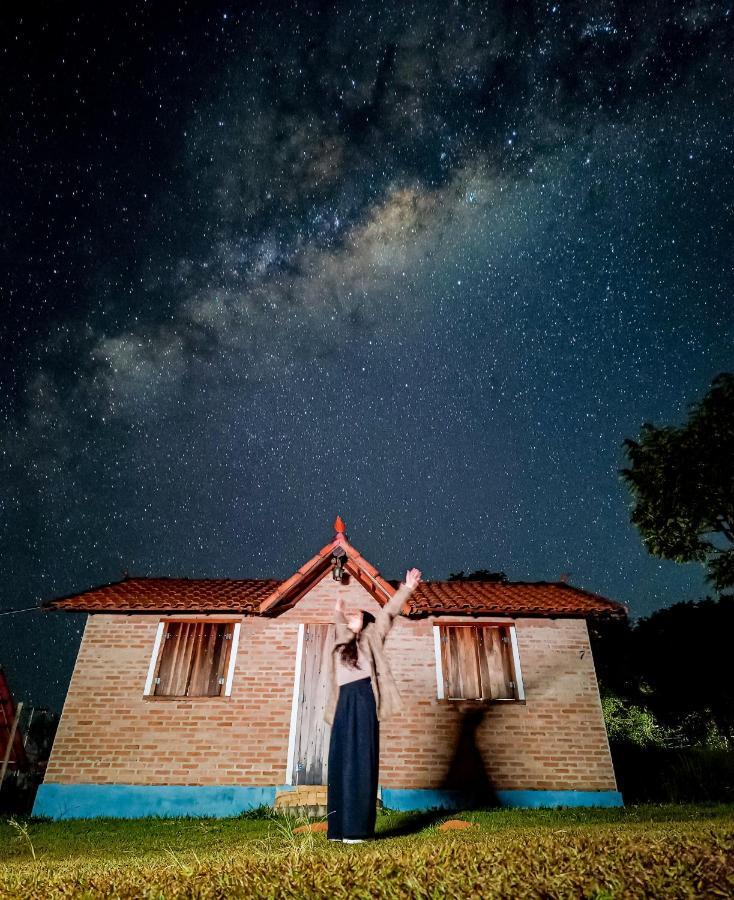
(439, 664)
(150, 678)
(232, 659)
(294, 706)
(519, 687)
(154, 659)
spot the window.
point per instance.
(477, 662)
(193, 658)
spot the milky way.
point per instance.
(425, 266)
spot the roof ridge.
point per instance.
(263, 595)
(213, 579)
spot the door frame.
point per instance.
(294, 705)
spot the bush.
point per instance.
(631, 724)
(673, 775)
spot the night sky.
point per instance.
(424, 266)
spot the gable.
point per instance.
(317, 604)
(311, 572)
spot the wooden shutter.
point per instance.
(193, 659)
(476, 662)
(483, 640)
(494, 649)
(461, 663)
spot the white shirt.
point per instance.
(345, 673)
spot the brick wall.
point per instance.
(109, 733)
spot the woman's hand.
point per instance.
(412, 578)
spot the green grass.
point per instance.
(639, 851)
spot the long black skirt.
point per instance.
(354, 758)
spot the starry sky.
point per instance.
(422, 265)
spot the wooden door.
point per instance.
(312, 733)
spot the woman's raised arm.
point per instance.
(339, 610)
(394, 605)
(342, 633)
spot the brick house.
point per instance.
(205, 696)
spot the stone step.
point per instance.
(305, 800)
(303, 794)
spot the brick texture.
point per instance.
(109, 733)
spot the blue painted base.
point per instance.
(406, 799)
(131, 801)
(86, 801)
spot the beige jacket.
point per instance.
(371, 640)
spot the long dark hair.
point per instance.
(349, 650)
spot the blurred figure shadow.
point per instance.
(466, 778)
(467, 775)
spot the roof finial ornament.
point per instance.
(338, 554)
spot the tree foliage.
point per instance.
(674, 664)
(478, 575)
(682, 482)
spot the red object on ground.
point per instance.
(455, 825)
(315, 826)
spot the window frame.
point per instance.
(157, 656)
(514, 658)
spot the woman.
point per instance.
(362, 691)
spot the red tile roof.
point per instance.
(532, 598)
(158, 594)
(540, 598)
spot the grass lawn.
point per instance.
(642, 851)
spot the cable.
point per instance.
(12, 612)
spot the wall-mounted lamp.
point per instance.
(338, 561)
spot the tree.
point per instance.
(675, 664)
(612, 646)
(682, 655)
(682, 482)
(479, 575)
